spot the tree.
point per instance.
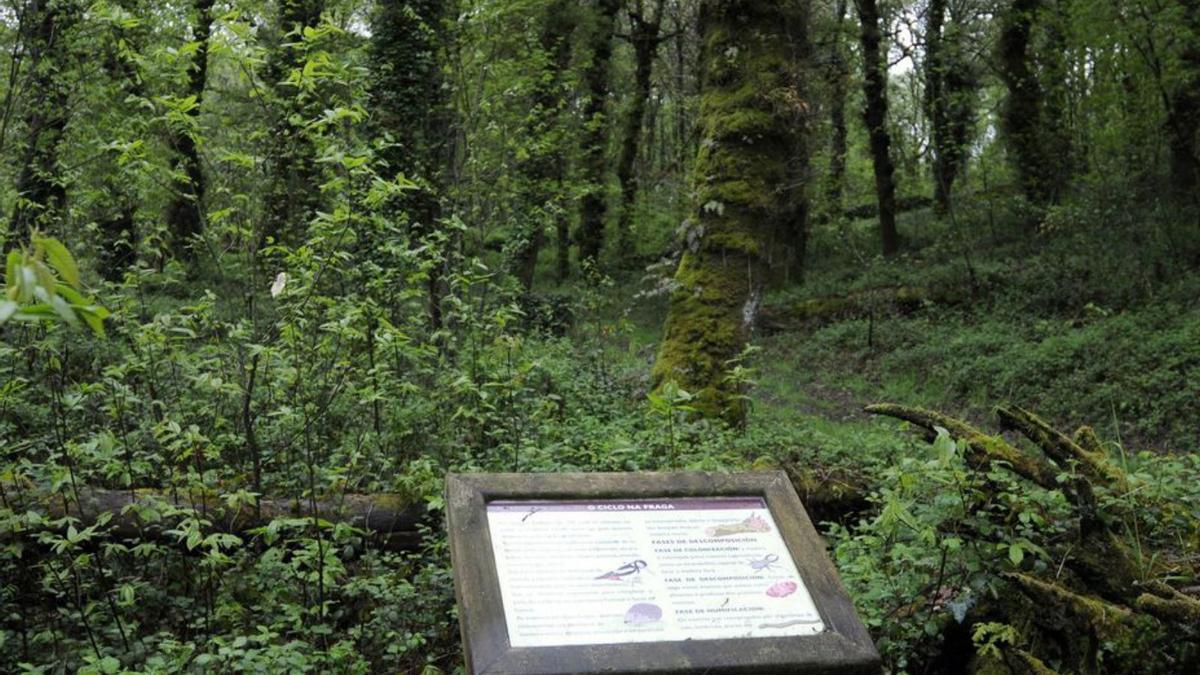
(645, 35)
(838, 77)
(185, 214)
(875, 117)
(1183, 107)
(410, 113)
(592, 205)
(748, 141)
(949, 101)
(540, 166)
(1030, 120)
(41, 191)
(293, 194)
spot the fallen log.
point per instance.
(391, 521)
(1099, 594)
(790, 315)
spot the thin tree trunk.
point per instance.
(644, 34)
(592, 205)
(185, 214)
(410, 112)
(293, 195)
(839, 75)
(747, 152)
(39, 185)
(540, 169)
(875, 117)
(1183, 113)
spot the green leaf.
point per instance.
(1016, 554)
(61, 260)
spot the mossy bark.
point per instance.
(39, 187)
(410, 115)
(949, 101)
(1031, 118)
(838, 75)
(645, 38)
(594, 160)
(741, 172)
(185, 213)
(875, 116)
(541, 168)
(1102, 610)
(293, 192)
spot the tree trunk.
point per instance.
(746, 118)
(541, 168)
(644, 35)
(293, 193)
(937, 107)
(592, 205)
(1032, 127)
(41, 193)
(409, 109)
(839, 76)
(392, 521)
(1183, 112)
(875, 117)
(185, 214)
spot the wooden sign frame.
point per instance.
(844, 647)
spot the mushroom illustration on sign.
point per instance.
(754, 523)
(643, 613)
(782, 589)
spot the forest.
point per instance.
(275, 267)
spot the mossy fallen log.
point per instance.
(1105, 594)
(793, 314)
(391, 521)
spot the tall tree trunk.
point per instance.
(949, 85)
(541, 169)
(293, 193)
(875, 117)
(185, 214)
(41, 193)
(747, 110)
(1032, 127)
(592, 205)
(1183, 112)
(410, 115)
(644, 35)
(839, 76)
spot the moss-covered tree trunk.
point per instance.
(1183, 110)
(645, 37)
(838, 75)
(185, 214)
(949, 101)
(747, 109)
(293, 190)
(41, 193)
(409, 112)
(541, 167)
(593, 158)
(875, 117)
(1030, 122)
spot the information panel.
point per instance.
(615, 571)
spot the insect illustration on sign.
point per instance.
(628, 569)
(764, 563)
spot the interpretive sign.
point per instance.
(578, 573)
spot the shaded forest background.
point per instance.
(274, 268)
